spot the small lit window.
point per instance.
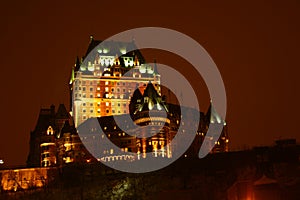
(50, 130)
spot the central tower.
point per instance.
(104, 79)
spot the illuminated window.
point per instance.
(98, 111)
(106, 89)
(106, 82)
(50, 130)
(107, 103)
(111, 151)
(98, 95)
(98, 88)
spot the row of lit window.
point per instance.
(106, 104)
(121, 96)
(107, 111)
(78, 82)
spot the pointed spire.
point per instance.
(212, 115)
(136, 61)
(77, 63)
(72, 76)
(91, 38)
(155, 71)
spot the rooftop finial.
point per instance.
(91, 38)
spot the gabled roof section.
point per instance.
(62, 112)
(67, 128)
(151, 100)
(212, 116)
(45, 119)
(113, 48)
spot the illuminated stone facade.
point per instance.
(55, 141)
(22, 179)
(163, 124)
(96, 86)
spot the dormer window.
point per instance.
(50, 130)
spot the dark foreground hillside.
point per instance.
(233, 175)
